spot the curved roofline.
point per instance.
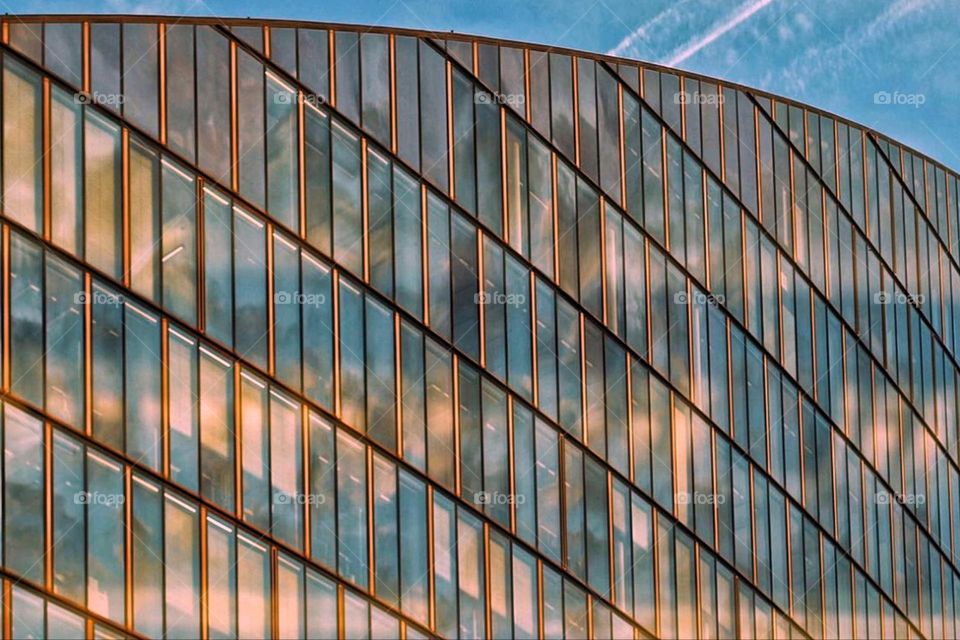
(456, 35)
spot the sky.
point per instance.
(892, 65)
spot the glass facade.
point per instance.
(315, 331)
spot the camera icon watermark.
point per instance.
(312, 99)
(98, 498)
(499, 298)
(898, 98)
(697, 97)
(906, 499)
(697, 297)
(96, 297)
(299, 499)
(510, 99)
(896, 297)
(299, 298)
(698, 498)
(99, 99)
(497, 498)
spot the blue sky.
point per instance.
(893, 65)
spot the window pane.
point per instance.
(221, 580)
(107, 383)
(147, 557)
(381, 372)
(63, 56)
(142, 383)
(316, 159)
(23, 494)
(64, 325)
(407, 228)
(376, 85)
(253, 587)
(289, 304)
(140, 76)
(216, 429)
(317, 331)
(380, 223)
(286, 473)
(255, 451)
(69, 535)
(352, 509)
(183, 397)
(218, 267)
(213, 103)
(179, 245)
(22, 145)
(433, 115)
(250, 287)
(347, 222)
(103, 228)
(181, 93)
(145, 252)
(352, 353)
(26, 319)
(105, 526)
(283, 184)
(66, 158)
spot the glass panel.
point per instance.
(141, 76)
(181, 92)
(66, 158)
(218, 267)
(253, 588)
(347, 65)
(255, 451)
(290, 603)
(26, 320)
(317, 331)
(105, 500)
(407, 227)
(352, 509)
(289, 304)
(221, 580)
(179, 244)
(63, 56)
(286, 470)
(433, 115)
(316, 160)
(375, 87)
(145, 254)
(23, 472)
(69, 535)
(105, 64)
(380, 223)
(147, 555)
(22, 145)
(250, 287)
(381, 372)
(213, 103)
(414, 590)
(142, 383)
(406, 70)
(283, 183)
(348, 246)
(183, 395)
(352, 352)
(102, 168)
(322, 492)
(216, 429)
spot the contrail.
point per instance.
(644, 29)
(694, 46)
